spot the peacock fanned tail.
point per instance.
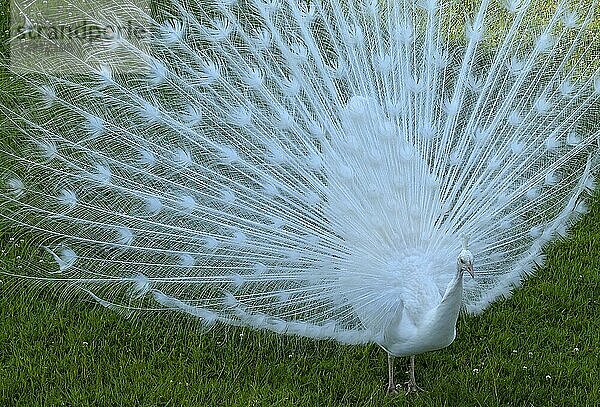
(271, 163)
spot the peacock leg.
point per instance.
(391, 389)
(411, 384)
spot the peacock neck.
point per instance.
(446, 313)
(454, 287)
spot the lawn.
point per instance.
(541, 347)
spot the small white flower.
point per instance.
(524, 367)
(475, 371)
(548, 377)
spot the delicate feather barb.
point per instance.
(303, 167)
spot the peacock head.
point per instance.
(465, 262)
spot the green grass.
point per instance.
(80, 354)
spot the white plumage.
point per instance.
(312, 169)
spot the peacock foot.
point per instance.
(411, 387)
(392, 389)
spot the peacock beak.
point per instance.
(470, 270)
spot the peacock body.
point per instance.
(312, 169)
